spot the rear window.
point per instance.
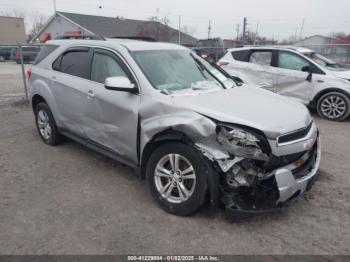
(45, 51)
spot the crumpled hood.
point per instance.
(249, 106)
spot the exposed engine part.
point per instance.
(242, 174)
(226, 164)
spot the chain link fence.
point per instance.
(15, 60)
(339, 53)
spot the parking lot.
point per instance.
(71, 200)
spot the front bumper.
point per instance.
(286, 185)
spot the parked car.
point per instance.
(298, 73)
(5, 52)
(189, 129)
(210, 49)
(29, 54)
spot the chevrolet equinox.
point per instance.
(193, 133)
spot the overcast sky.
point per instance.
(277, 18)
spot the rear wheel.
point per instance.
(46, 124)
(177, 178)
(334, 106)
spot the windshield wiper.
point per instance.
(204, 68)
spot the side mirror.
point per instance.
(308, 70)
(120, 83)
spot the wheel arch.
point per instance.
(36, 99)
(313, 103)
(171, 135)
(158, 139)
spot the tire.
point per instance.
(46, 125)
(334, 106)
(195, 189)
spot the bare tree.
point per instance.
(189, 30)
(38, 21)
(157, 28)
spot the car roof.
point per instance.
(132, 45)
(294, 48)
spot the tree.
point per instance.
(33, 21)
(189, 30)
(38, 22)
(157, 28)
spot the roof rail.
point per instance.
(85, 37)
(140, 38)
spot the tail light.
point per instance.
(222, 63)
(29, 73)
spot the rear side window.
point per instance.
(75, 62)
(261, 58)
(240, 55)
(45, 51)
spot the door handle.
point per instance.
(320, 81)
(90, 94)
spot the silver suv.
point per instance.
(295, 72)
(191, 130)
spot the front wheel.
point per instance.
(177, 178)
(334, 106)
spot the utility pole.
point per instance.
(301, 29)
(209, 29)
(245, 23)
(54, 5)
(256, 32)
(237, 30)
(179, 29)
(296, 35)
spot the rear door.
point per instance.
(252, 66)
(291, 81)
(112, 116)
(70, 84)
(259, 69)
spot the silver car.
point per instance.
(194, 133)
(295, 72)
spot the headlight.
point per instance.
(240, 143)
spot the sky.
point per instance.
(278, 19)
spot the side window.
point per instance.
(288, 60)
(76, 63)
(240, 55)
(261, 58)
(103, 66)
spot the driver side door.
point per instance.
(290, 79)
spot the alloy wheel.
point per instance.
(175, 178)
(44, 124)
(333, 107)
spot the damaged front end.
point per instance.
(258, 175)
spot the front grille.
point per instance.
(294, 135)
(282, 161)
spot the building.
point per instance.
(71, 24)
(12, 30)
(315, 40)
(328, 47)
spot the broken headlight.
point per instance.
(240, 143)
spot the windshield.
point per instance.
(177, 70)
(207, 43)
(324, 62)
